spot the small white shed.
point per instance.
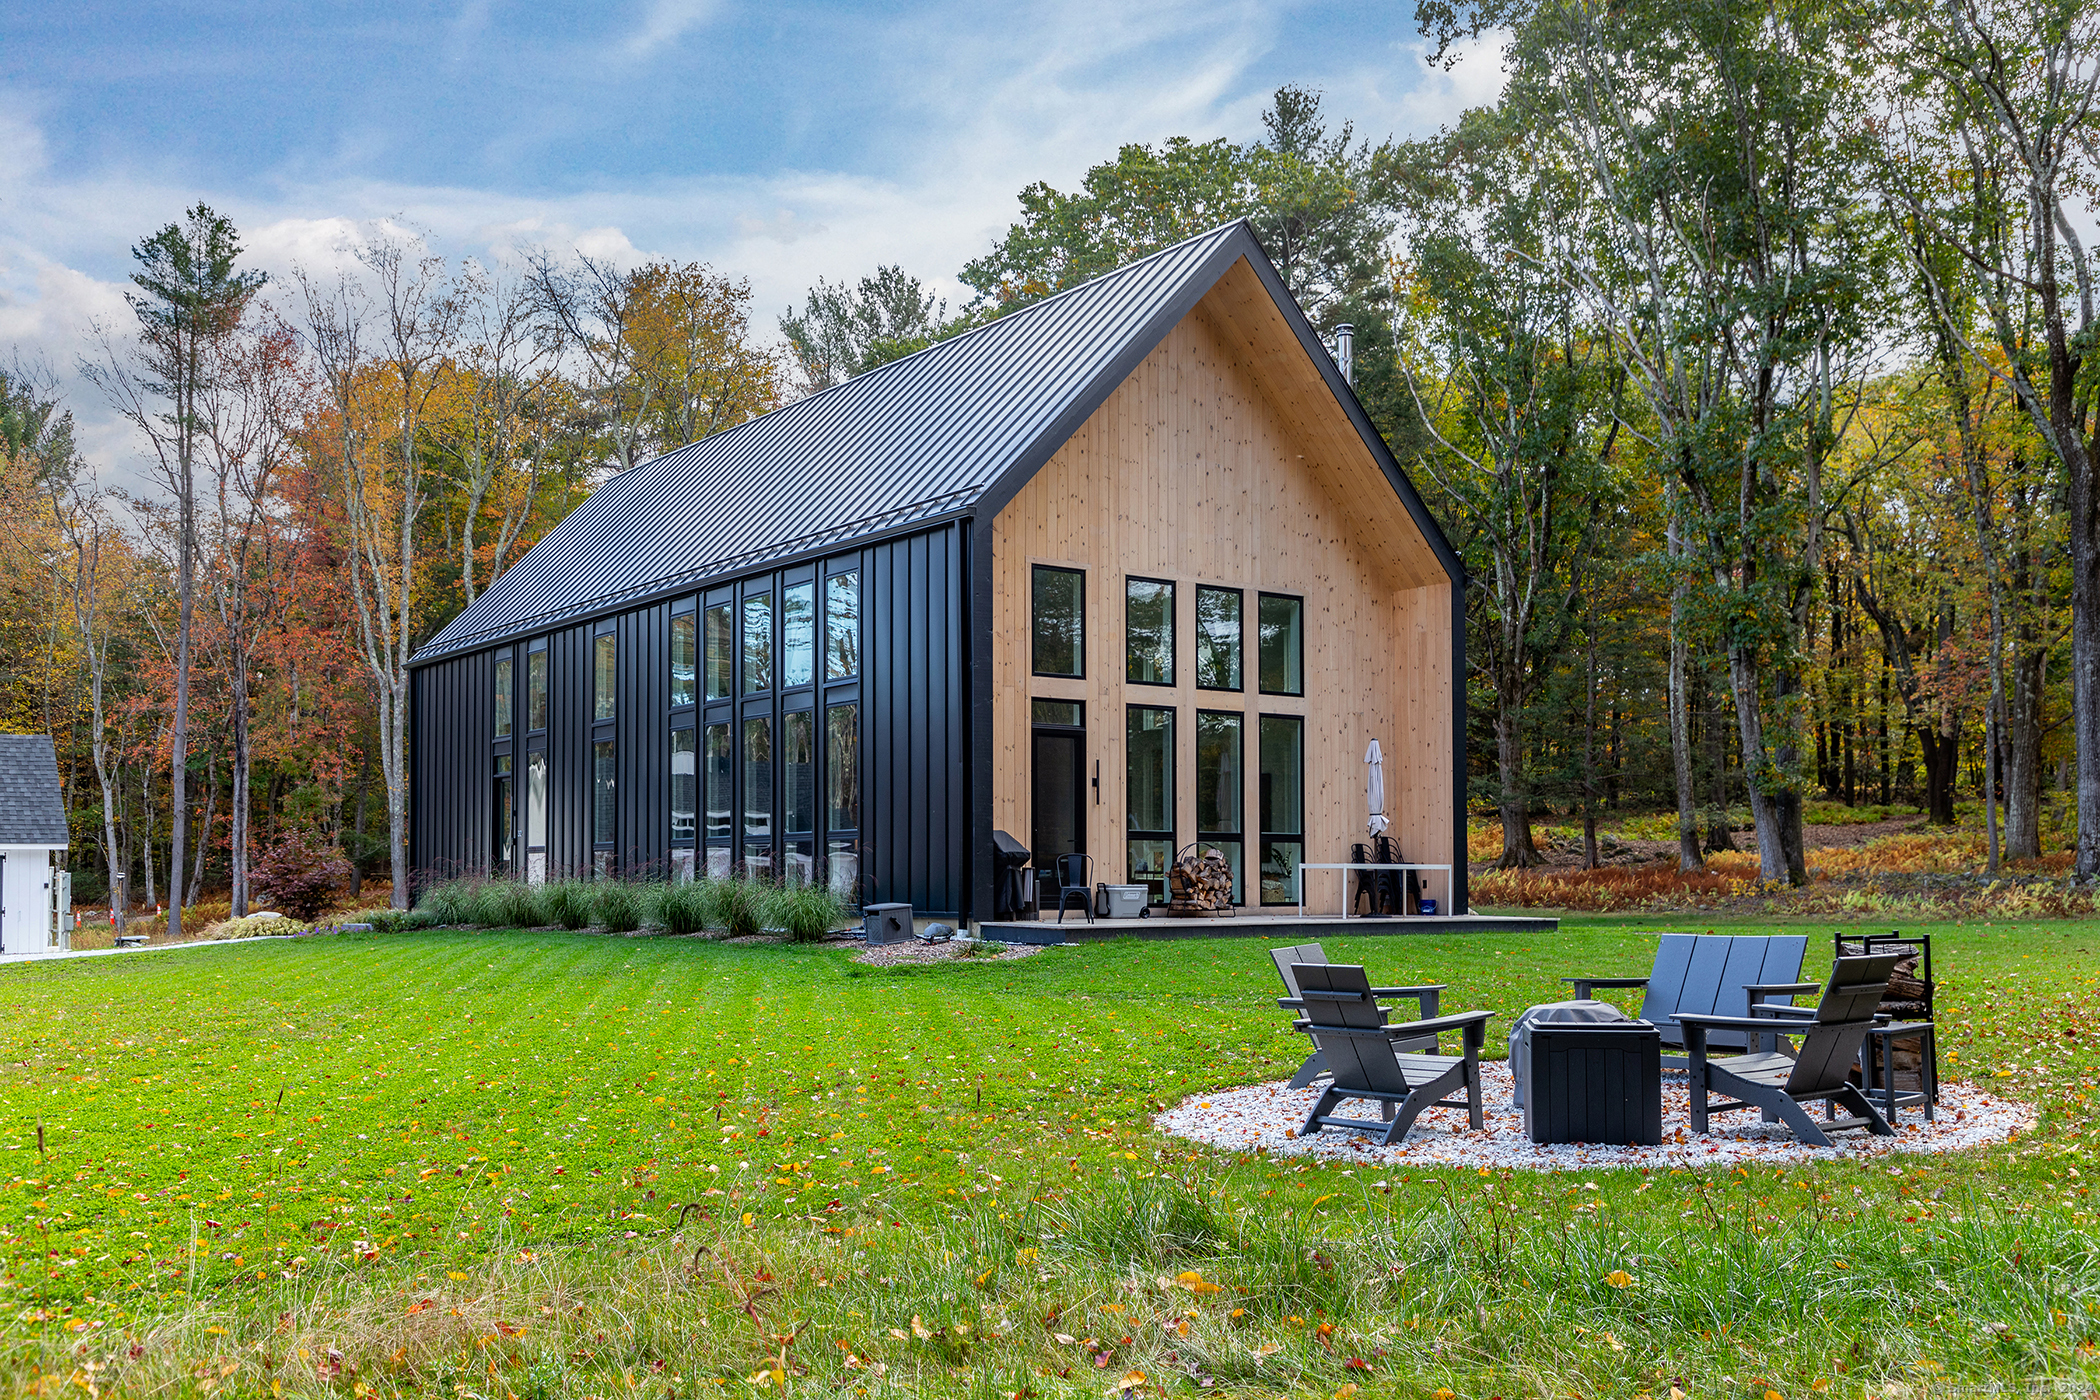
(36, 906)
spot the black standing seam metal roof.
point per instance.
(32, 813)
(931, 436)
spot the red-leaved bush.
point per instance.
(298, 873)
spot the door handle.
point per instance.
(1097, 782)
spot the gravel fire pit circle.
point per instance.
(1267, 1117)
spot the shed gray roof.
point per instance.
(32, 813)
(918, 440)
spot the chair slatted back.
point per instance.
(1349, 1024)
(1287, 960)
(1830, 1048)
(1707, 973)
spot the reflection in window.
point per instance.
(720, 758)
(1148, 631)
(842, 768)
(682, 676)
(1282, 807)
(798, 759)
(504, 709)
(602, 805)
(841, 626)
(1060, 712)
(721, 651)
(1058, 621)
(500, 853)
(758, 777)
(536, 802)
(758, 643)
(685, 782)
(536, 689)
(798, 634)
(603, 652)
(1220, 791)
(1150, 798)
(1218, 638)
(1282, 628)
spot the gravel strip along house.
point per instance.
(1120, 572)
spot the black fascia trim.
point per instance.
(1345, 395)
(697, 585)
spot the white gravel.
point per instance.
(1267, 1117)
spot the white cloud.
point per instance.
(666, 22)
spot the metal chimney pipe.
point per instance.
(1345, 351)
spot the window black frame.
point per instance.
(682, 612)
(1299, 599)
(1261, 815)
(1238, 838)
(1173, 631)
(503, 726)
(693, 838)
(605, 803)
(1196, 651)
(1171, 791)
(537, 647)
(1079, 647)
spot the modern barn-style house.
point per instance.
(1124, 571)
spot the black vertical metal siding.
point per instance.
(915, 812)
(452, 707)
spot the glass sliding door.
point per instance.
(1221, 782)
(1149, 807)
(1282, 807)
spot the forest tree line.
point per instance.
(1741, 348)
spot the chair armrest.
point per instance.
(1427, 998)
(1585, 985)
(1779, 1010)
(1290, 1003)
(1706, 1020)
(1782, 989)
(1471, 1024)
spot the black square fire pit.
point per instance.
(1594, 1083)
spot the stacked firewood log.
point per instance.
(1200, 886)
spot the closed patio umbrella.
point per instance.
(1375, 788)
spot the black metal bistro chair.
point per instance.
(1075, 879)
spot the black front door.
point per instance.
(1058, 823)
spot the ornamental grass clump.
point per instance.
(568, 903)
(453, 902)
(679, 906)
(806, 913)
(617, 906)
(740, 906)
(508, 904)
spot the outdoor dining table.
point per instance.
(1367, 865)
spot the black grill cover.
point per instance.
(1008, 857)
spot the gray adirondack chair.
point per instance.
(1287, 959)
(1711, 974)
(1343, 1014)
(1779, 1081)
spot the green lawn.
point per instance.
(457, 1163)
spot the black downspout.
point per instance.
(1460, 903)
(977, 665)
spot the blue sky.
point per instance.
(781, 141)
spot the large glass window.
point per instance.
(504, 699)
(758, 776)
(798, 759)
(1282, 628)
(758, 642)
(1218, 638)
(798, 634)
(536, 802)
(1149, 805)
(505, 832)
(536, 689)
(1282, 807)
(720, 757)
(1148, 631)
(841, 626)
(604, 650)
(685, 783)
(721, 651)
(602, 804)
(842, 768)
(1058, 610)
(682, 676)
(1221, 792)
